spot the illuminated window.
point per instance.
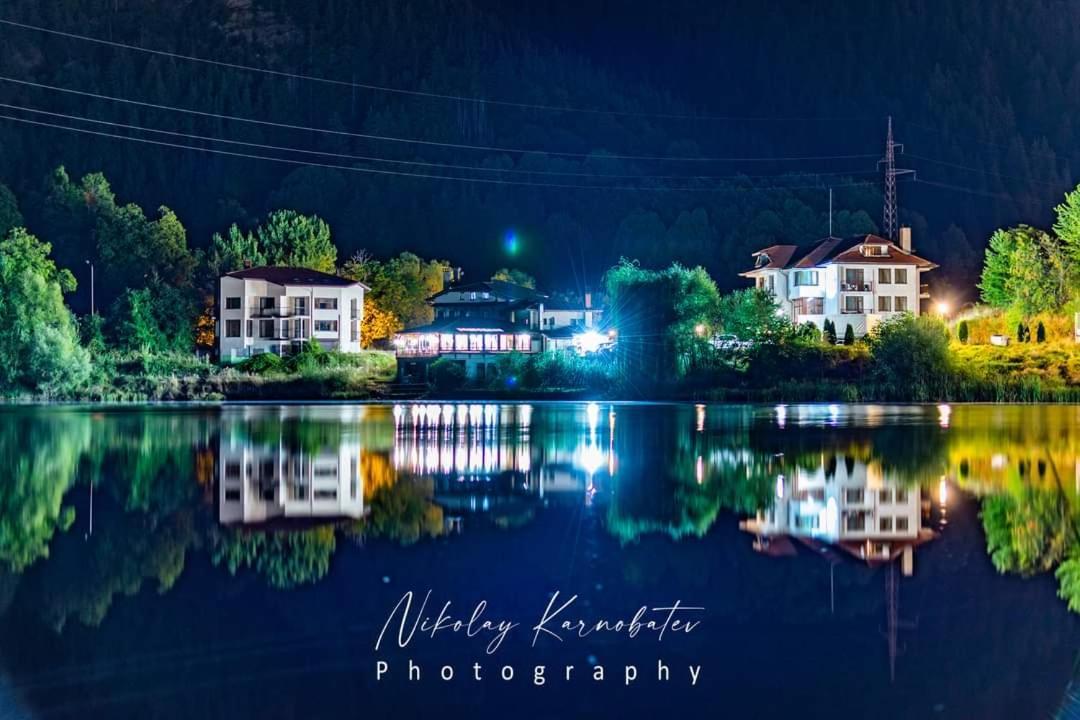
(884, 276)
(884, 303)
(900, 303)
(476, 342)
(900, 276)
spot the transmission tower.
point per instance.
(888, 224)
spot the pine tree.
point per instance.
(849, 335)
(962, 331)
(830, 332)
(1040, 332)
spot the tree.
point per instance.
(289, 238)
(751, 314)
(235, 251)
(1038, 273)
(377, 324)
(10, 217)
(158, 319)
(911, 356)
(39, 347)
(829, 332)
(849, 335)
(1020, 332)
(135, 252)
(400, 286)
(515, 276)
(1040, 332)
(996, 268)
(1067, 224)
(962, 331)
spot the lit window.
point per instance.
(884, 303)
(900, 303)
(900, 276)
(884, 276)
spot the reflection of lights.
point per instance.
(591, 459)
(700, 418)
(398, 412)
(781, 415)
(699, 469)
(779, 487)
(834, 413)
(998, 461)
(943, 493)
(592, 412)
(525, 415)
(944, 413)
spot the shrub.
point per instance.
(911, 357)
(1040, 332)
(264, 364)
(849, 335)
(447, 374)
(962, 331)
(1020, 332)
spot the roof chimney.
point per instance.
(905, 238)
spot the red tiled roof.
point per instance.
(838, 250)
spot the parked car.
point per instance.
(730, 342)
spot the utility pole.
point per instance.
(889, 220)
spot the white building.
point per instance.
(278, 309)
(267, 482)
(856, 281)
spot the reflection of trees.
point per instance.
(403, 511)
(125, 551)
(40, 453)
(284, 559)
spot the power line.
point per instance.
(376, 171)
(387, 88)
(421, 163)
(387, 138)
(972, 138)
(984, 172)
(960, 188)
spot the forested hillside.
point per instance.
(656, 114)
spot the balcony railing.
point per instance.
(857, 287)
(277, 312)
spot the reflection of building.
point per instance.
(483, 457)
(848, 504)
(260, 483)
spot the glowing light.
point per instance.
(511, 243)
(944, 413)
(831, 515)
(590, 342)
(943, 493)
(700, 418)
(779, 487)
(699, 330)
(781, 415)
(591, 459)
(699, 469)
(942, 307)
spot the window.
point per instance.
(900, 276)
(267, 303)
(354, 309)
(885, 496)
(807, 522)
(853, 304)
(901, 495)
(884, 303)
(326, 326)
(232, 328)
(809, 306)
(884, 276)
(326, 303)
(853, 496)
(806, 277)
(266, 328)
(885, 524)
(901, 524)
(876, 250)
(232, 469)
(300, 306)
(232, 303)
(900, 303)
(523, 343)
(461, 342)
(476, 343)
(472, 296)
(855, 522)
(853, 278)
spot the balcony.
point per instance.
(277, 312)
(862, 287)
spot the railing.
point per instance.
(277, 312)
(432, 352)
(857, 287)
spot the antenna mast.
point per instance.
(888, 224)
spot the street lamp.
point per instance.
(92, 312)
(942, 308)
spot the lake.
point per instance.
(745, 561)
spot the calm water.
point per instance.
(241, 561)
